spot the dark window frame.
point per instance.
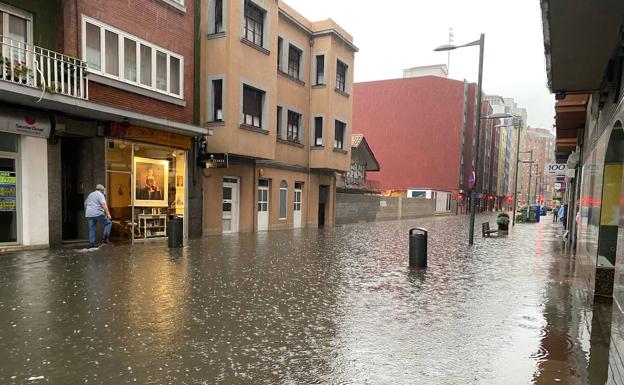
(318, 131)
(279, 122)
(293, 127)
(320, 70)
(294, 61)
(218, 26)
(280, 45)
(342, 70)
(339, 127)
(253, 103)
(254, 23)
(217, 99)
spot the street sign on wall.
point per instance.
(555, 169)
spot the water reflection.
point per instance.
(307, 306)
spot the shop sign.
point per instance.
(148, 135)
(8, 191)
(555, 169)
(560, 186)
(214, 160)
(23, 122)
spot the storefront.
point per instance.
(146, 181)
(23, 177)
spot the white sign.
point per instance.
(558, 169)
(383, 204)
(18, 121)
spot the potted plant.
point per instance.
(503, 223)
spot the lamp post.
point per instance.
(449, 47)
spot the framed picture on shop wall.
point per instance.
(150, 183)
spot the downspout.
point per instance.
(307, 198)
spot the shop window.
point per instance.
(8, 189)
(283, 200)
(146, 184)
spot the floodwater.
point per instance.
(329, 306)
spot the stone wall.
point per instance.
(353, 208)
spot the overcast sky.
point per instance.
(397, 34)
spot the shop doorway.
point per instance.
(9, 205)
(610, 212)
(230, 205)
(323, 195)
(297, 205)
(263, 205)
(76, 180)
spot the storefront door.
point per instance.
(230, 205)
(8, 199)
(297, 208)
(263, 205)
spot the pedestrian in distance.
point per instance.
(563, 215)
(96, 210)
(555, 211)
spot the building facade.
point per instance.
(422, 130)
(538, 145)
(585, 72)
(98, 92)
(276, 92)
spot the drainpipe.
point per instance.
(307, 197)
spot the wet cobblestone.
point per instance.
(299, 307)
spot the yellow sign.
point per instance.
(611, 193)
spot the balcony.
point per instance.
(40, 68)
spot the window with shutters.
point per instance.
(252, 106)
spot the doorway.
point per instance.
(230, 205)
(263, 205)
(323, 195)
(9, 200)
(76, 176)
(297, 205)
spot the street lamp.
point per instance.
(450, 47)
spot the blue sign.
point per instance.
(471, 180)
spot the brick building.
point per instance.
(421, 130)
(99, 92)
(542, 144)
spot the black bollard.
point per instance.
(175, 232)
(418, 248)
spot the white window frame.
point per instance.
(121, 35)
(6, 10)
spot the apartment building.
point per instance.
(97, 92)
(538, 145)
(276, 93)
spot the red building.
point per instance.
(422, 132)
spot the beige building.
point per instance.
(276, 94)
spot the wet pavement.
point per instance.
(330, 306)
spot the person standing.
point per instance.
(96, 210)
(563, 215)
(555, 211)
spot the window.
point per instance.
(217, 100)
(263, 195)
(146, 65)
(218, 26)
(279, 122)
(320, 69)
(93, 56)
(116, 54)
(294, 61)
(252, 106)
(112, 53)
(130, 60)
(318, 131)
(283, 199)
(254, 23)
(339, 134)
(292, 131)
(341, 76)
(280, 44)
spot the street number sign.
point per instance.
(558, 169)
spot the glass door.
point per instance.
(8, 200)
(263, 205)
(230, 205)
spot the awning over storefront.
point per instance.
(580, 37)
(571, 115)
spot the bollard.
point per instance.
(175, 232)
(418, 247)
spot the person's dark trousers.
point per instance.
(93, 221)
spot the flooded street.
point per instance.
(332, 306)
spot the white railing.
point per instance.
(37, 67)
